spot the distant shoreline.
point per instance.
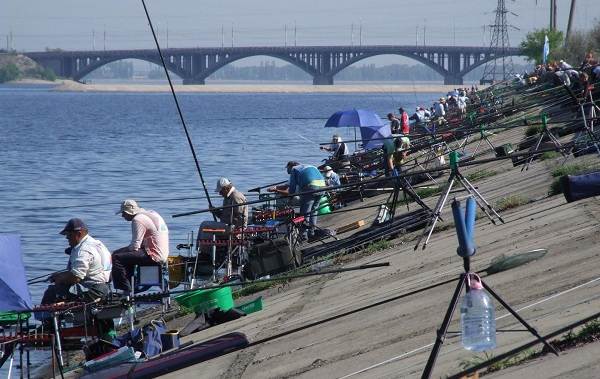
(72, 86)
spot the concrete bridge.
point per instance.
(194, 65)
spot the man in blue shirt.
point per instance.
(304, 178)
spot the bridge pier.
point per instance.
(193, 81)
(453, 79)
(322, 80)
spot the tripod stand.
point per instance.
(588, 125)
(401, 183)
(544, 133)
(466, 249)
(455, 175)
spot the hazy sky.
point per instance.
(82, 24)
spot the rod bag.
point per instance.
(577, 187)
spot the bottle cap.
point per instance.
(474, 281)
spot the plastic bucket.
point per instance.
(324, 206)
(205, 299)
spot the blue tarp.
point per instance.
(14, 292)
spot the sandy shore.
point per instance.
(71, 86)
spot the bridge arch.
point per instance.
(90, 65)
(205, 74)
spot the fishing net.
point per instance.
(503, 262)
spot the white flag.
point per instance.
(546, 49)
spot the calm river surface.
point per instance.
(69, 155)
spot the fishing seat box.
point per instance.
(271, 257)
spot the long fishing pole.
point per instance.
(187, 134)
(276, 279)
(524, 155)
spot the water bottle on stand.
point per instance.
(477, 318)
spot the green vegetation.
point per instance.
(533, 130)
(549, 155)
(15, 67)
(533, 44)
(9, 72)
(572, 169)
(376, 246)
(257, 287)
(509, 202)
(428, 191)
(478, 175)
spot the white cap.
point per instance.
(222, 182)
(336, 138)
(328, 171)
(130, 207)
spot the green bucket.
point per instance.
(11, 318)
(205, 299)
(324, 206)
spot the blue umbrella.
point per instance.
(354, 118)
(13, 283)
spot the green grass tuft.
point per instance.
(475, 176)
(549, 155)
(509, 202)
(376, 246)
(533, 130)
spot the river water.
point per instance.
(67, 155)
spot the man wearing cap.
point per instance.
(89, 266)
(236, 215)
(149, 243)
(338, 147)
(304, 178)
(332, 179)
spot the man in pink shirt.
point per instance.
(149, 243)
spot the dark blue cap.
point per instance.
(74, 224)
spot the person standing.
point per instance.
(89, 266)
(149, 243)
(394, 123)
(404, 125)
(236, 213)
(304, 178)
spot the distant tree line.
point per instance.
(572, 50)
(11, 71)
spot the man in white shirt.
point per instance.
(149, 243)
(89, 265)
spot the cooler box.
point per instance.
(271, 257)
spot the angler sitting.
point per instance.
(89, 266)
(235, 216)
(340, 152)
(149, 244)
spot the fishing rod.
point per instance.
(187, 134)
(266, 280)
(524, 154)
(257, 189)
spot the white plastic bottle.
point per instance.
(477, 319)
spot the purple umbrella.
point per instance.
(372, 137)
(355, 118)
